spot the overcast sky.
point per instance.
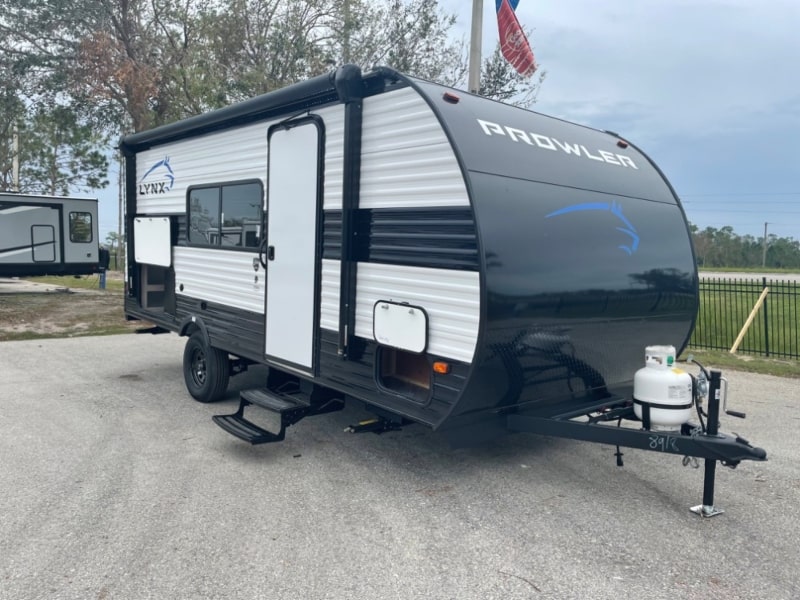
(710, 89)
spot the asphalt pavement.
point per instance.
(115, 484)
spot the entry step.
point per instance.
(276, 402)
(243, 429)
(287, 404)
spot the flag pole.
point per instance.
(474, 84)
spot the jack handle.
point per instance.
(732, 413)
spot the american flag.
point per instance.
(513, 43)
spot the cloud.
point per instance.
(698, 67)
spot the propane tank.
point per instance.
(662, 387)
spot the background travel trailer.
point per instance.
(48, 235)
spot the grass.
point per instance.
(88, 311)
(725, 307)
(748, 364)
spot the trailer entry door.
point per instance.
(293, 192)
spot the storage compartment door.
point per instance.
(292, 215)
(152, 241)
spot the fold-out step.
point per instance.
(279, 403)
(243, 429)
(288, 407)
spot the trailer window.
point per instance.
(80, 227)
(241, 215)
(204, 215)
(227, 215)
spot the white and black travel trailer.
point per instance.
(48, 235)
(439, 257)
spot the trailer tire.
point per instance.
(206, 369)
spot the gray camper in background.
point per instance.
(48, 235)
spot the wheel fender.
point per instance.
(191, 324)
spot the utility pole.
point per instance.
(764, 254)
(120, 211)
(346, 40)
(15, 159)
(474, 83)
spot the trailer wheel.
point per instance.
(206, 370)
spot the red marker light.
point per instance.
(451, 98)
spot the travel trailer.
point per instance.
(442, 258)
(48, 235)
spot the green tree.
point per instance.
(783, 253)
(501, 82)
(724, 248)
(415, 37)
(116, 244)
(134, 64)
(251, 47)
(112, 240)
(412, 36)
(12, 110)
(59, 154)
(115, 60)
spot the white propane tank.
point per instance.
(666, 389)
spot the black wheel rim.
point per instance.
(199, 368)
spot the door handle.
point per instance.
(271, 253)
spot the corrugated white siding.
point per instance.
(223, 276)
(230, 155)
(406, 159)
(329, 294)
(450, 298)
(334, 156)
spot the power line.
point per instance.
(744, 194)
(771, 202)
(739, 222)
(745, 211)
(742, 207)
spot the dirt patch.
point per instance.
(61, 314)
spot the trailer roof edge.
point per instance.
(322, 89)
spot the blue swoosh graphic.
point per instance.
(164, 162)
(615, 209)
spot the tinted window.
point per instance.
(80, 227)
(241, 215)
(227, 215)
(204, 215)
